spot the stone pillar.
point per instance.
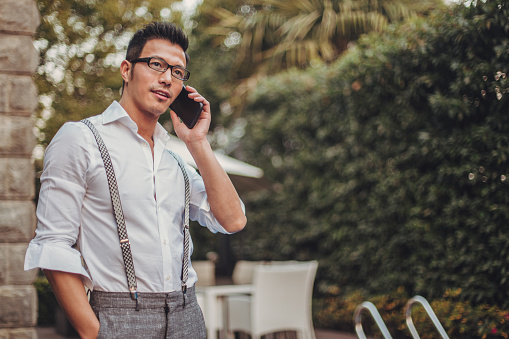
(18, 99)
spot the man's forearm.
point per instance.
(71, 296)
(223, 198)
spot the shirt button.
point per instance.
(167, 277)
(164, 241)
(144, 144)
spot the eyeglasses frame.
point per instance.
(170, 67)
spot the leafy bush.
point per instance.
(459, 318)
(390, 165)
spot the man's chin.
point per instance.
(158, 111)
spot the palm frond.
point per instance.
(224, 16)
(288, 33)
(298, 27)
(327, 28)
(295, 6)
(396, 11)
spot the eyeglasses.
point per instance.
(162, 66)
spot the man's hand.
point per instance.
(71, 296)
(199, 132)
(223, 198)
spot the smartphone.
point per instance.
(186, 108)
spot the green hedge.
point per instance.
(459, 318)
(390, 165)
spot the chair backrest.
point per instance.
(206, 271)
(243, 271)
(282, 297)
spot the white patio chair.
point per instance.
(206, 271)
(281, 301)
(243, 271)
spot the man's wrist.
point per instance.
(197, 147)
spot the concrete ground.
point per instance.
(50, 333)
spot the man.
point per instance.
(75, 206)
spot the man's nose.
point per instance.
(166, 77)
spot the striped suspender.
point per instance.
(119, 217)
(185, 259)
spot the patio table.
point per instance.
(214, 297)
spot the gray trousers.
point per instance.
(160, 315)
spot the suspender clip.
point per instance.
(184, 287)
(134, 293)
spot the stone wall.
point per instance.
(19, 20)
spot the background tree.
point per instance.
(273, 35)
(81, 44)
(214, 76)
(390, 165)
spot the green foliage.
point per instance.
(390, 165)
(459, 318)
(274, 35)
(47, 302)
(280, 34)
(81, 44)
(210, 65)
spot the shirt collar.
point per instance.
(115, 112)
(162, 134)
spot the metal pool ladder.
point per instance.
(408, 314)
(429, 311)
(376, 316)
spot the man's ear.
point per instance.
(125, 69)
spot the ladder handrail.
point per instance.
(376, 316)
(429, 311)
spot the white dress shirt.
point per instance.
(75, 207)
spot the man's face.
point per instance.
(148, 91)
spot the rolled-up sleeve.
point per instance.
(63, 186)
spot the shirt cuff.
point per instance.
(212, 224)
(55, 258)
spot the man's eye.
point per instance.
(178, 72)
(156, 64)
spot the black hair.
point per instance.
(156, 30)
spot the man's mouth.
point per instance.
(163, 95)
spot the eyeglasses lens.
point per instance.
(161, 66)
(158, 65)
